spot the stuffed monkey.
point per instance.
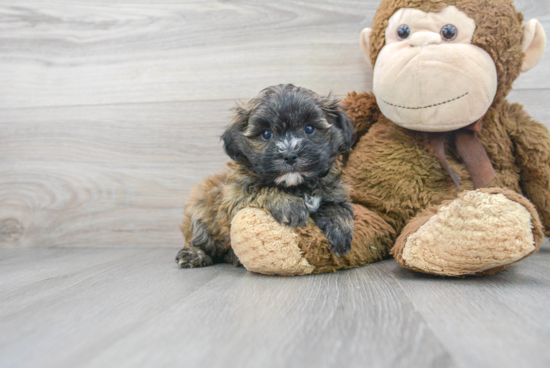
(446, 175)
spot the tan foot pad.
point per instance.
(265, 246)
(477, 232)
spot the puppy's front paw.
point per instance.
(293, 213)
(192, 257)
(339, 238)
(336, 221)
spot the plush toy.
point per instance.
(446, 175)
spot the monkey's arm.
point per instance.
(363, 110)
(532, 148)
(372, 240)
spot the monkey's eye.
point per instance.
(403, 32)
(266, 134)
(449, 32)
(309, 129)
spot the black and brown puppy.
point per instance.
(284, 144)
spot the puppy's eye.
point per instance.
(449, 32)
(309, 129)
(403, 32)
(266, 134)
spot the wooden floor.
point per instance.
(134, 308)
(111, 111)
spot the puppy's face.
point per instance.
(288, 135)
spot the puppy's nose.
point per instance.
(290, 157)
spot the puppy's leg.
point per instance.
(287, 209)
(336, 221)
(190, 257)
(204, 243)
(200, 250)
(231, 258)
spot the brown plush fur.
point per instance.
(395, 176)
(372, 239)
(393, 173)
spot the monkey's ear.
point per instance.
(364, 40)
(533, 44)
(233, 137)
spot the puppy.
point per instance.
(284, 144)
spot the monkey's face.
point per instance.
(290, 135)
(429, 76)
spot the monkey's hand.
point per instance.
(288, 210)
(336, 221)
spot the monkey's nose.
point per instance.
(290, 158)
(424, 39)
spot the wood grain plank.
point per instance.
(58, 54)
(99, 176)
(63, 53)
(493, 321)
(60, 317)
(345, 319)
(19, 270)
(535, 103)
(144, 311)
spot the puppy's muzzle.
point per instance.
(290, 158)
(289, 150)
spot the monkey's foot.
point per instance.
(481, 232)
(190, 257)
(265, 246)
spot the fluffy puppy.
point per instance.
(284, 144)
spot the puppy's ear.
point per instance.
(345, 124)
(342, 121)
(233, 137)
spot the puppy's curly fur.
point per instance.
(284, 144)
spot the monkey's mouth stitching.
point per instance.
(425, 107)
